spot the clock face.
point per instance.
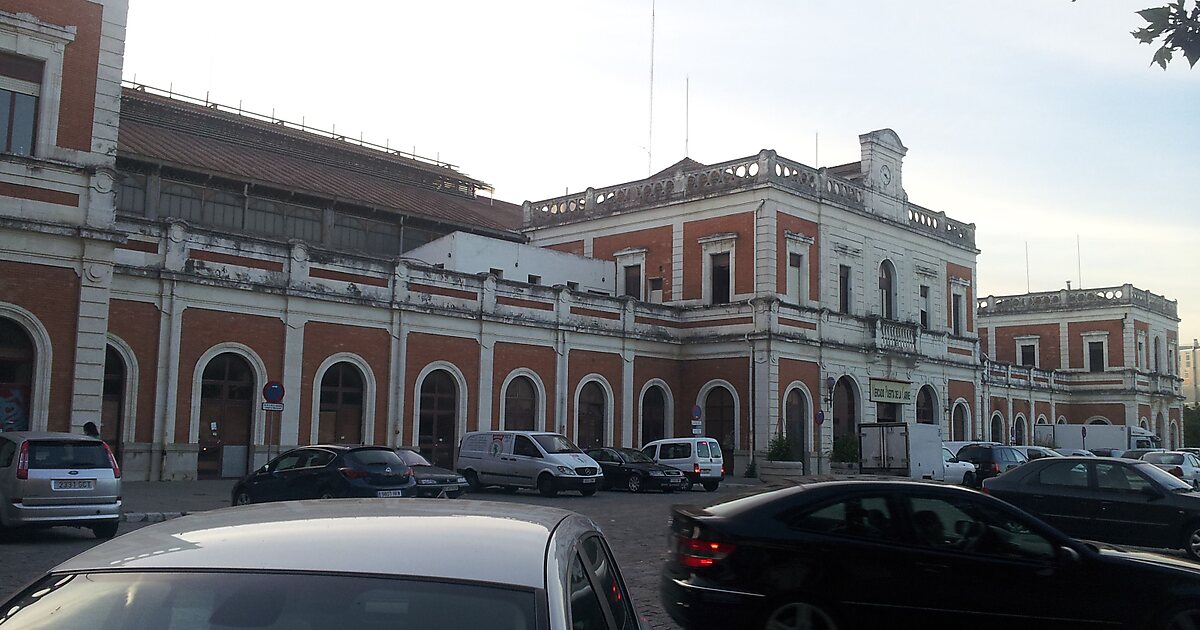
(885, 174)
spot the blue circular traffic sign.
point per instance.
(273, 392)
(697, 412)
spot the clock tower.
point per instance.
(882, 160)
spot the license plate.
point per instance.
(590, 480)
(383, 494)
(73, 484)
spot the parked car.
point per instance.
(369, 564)
(1037, 452)
(327, 472)
(631, 469)
(1074, 452)
(1138, 453)
(699, 458)
(875, 554)
(990, 459)
(548, 462)
(52, 479)
(957, 445)
(1113, 500)
(1107, 452)
(1178, 463)
(955, 471)
(1190, 449)
(431, 480)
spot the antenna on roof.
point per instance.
(816, 149)
(687, 122)
(650, 136)
(1078, 261)
(1027, 266)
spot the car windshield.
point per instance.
(1163, 458)
(634, 457)
(412, 458)
(554, 443)
(67, 454)
(1166, 479)
(114, 601)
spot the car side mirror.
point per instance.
(1068, 554)
(952, 460)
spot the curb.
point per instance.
(150, 517)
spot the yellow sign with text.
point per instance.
(890, 391)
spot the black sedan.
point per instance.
(633, 470)
(867, 554)
(326, 472)
(1107, 499)
(431, 480)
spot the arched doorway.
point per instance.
(926, 406)
(16, 376)
(227, 391)
(520, 404)
(1174, 436)
(1019, 431)
(997, 434)
(654, 414)
(845, 409)
(112, 402)
(795, 421)
(719, 422)
(592, 413)
(437, 426)
(958, 425)
(341, 412)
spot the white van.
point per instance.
(699, 458)
(548, 462)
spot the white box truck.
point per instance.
(901, 449)
(1090, 436)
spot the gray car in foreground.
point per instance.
(341, 563)
(50, 479)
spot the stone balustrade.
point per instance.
(1063, 299)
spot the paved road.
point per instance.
(635, 526)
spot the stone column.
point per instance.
(91, 334)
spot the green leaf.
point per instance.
(1144, 35)
(1157, 17)
(1162, 57)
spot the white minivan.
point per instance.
(546, 461)
(699, 458)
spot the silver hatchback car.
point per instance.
(49, 479)
(341, 563)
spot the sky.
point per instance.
(1040, 121)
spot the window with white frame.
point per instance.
(925, 306)
(845, 297)
(1028, 350)
(31, 71)
(632, 264)
(720, 257)
(957, 313)
(1140, 359)
(20, 91)
(798, 260)
(1095, 351)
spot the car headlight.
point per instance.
(566, 470)
(462, 480)
(426, 482)
(656, 473)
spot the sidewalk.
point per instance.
(160, 500)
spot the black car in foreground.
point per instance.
(1112, 500)
(867, 554)
(327, 472)
(631, 469)
(431, 480)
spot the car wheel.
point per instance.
(472, 480)
(242, 498)
(799, 616)
(1191, 540)
(105, 531)
(711, 486)
(545, 485)
(634, 483)
(587, 492)
(969, 480)
(687, 485)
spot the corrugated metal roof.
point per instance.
(187, 136)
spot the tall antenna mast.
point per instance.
(1078, 261)
(687, 122)
(816, 149)
(1027, 266)
(650, 138)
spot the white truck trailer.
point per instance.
(1090, 436)
(901, 449)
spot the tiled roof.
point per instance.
(190, 136)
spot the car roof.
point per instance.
(19, 436)
(459, 540)
(825, 489)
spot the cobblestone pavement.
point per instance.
(635, 526)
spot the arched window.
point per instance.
(654, 415)
(437, 427)
(112, 404)
(795, 423)
(16, 376)
(341, 412)
(926, 406)
(227, 394)
(592, 413)
(887, 290)
(719, 410)
(958, 428)
(1158, 354)
(520, 404)
(998, 433)
(845, 409)
(1019, 431)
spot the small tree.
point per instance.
(845, 449)
(779, 449)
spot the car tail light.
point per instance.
(995, 468)
(354, 473)
(112, 460)
(23, 462)
(696, 469)
(408, 472)
(695, 553)
(722, 471)
(1177, 471)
